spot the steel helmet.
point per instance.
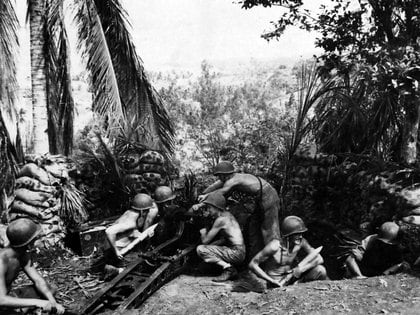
(292, 225)
(388, 232)
(21, 232)
(163, 193)
(142, 202)
(224, 167)
(217, 200)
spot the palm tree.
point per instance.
(123, 96)
(52, 102)
(133, 109)
(10, 148)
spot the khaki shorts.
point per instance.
(233, 255)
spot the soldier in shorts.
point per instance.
(233, 251)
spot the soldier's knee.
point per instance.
(320, 272)
(200, 250)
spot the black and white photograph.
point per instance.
(241, 157)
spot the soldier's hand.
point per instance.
(201, 198)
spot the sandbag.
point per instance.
(130, 161)
(411, 196)
(34, 171)
(19, 206)
(152, 177)
(148, 168)
(415, 211)
(34, 198)
(152, 157)
(34, 185)
(412, 219)
(57, 170)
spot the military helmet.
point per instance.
(142, 202)
(292, 225)
(224, 167)
(21, 232)
(388, 232)
(217, 200)
(163, 193)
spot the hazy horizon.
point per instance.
(180, 34)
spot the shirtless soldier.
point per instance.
(279, 256)
(264, 222)
(139, 217)
(22, 234)
(233, 251)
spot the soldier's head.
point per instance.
(388, 233)
(22, 233)
(292, 228)
(164, 196)
(215, 202)
(142, 203)
(224, 170)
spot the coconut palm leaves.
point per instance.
(60, 101)
(8, 84)
(139, 104)
(92, 41)
(10, 146)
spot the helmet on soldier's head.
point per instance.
(164, 193)
(142, 202)
(388, 232)
(217, 200)
(21, 232)
(224, 167)
(292, 225)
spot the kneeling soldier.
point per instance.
(22, 234)
(230, 254)
(279, 257)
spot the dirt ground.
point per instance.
(397, 294)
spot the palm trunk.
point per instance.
(39, 137)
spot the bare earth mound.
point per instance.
(397, 294)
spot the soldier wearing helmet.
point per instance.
(264, 222)
(22, 234)
(377, 254)
(279, 257)
(139, 217)
(169, 214)
(230, 253)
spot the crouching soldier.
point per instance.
(280, 257)
(378, 254)
(233, 251)
(169, 214)
(22, 234)
(138, 218)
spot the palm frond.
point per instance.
(94, 44)
(139, 98)
(9, 45)
(60, 100)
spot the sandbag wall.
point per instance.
(38, 196)
(144, 171)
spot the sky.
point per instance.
(181, 33)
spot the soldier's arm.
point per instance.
(15, 302)
(150, 218)
(207, 237)
(268, 251)
(317, 260)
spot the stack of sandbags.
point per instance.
(38, 196)
(144, 171)
(411, 196)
